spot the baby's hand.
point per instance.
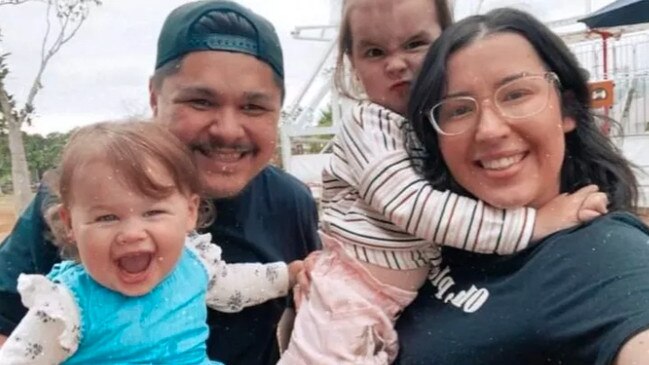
(301, 288)
(593, 206)
(294, 268)
(567, 210)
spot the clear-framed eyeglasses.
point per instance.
(520, 98)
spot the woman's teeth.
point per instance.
(501, 163)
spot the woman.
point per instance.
(501, 107)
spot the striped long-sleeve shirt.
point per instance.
(387, 214)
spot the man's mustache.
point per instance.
(209, 146)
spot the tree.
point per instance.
(63, 19)
(326, 117)
(42, 153)
(5, 162)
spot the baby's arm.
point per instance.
(33, 342)
(40, 335)
(233, 287)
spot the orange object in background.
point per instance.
(601, 94)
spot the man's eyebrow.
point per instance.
(198, 91)
(257, 97)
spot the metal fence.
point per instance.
(627, 54)
(627, 64)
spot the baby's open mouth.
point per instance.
(135, 263)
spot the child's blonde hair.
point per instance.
(129, 148)
(345, 83)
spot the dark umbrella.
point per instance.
(620, 12)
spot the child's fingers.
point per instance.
(298, 295)
(582, 194)
(303, 279)
(593, 206)
(586, 215)
(309, 262)
(597, 202)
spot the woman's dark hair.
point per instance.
(591, 157)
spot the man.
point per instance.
(218, 85)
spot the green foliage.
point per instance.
(42, 154)
(326, 117)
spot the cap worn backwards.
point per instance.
(182, 33)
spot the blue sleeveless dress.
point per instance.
(165, 326)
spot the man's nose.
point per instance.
(226, 125)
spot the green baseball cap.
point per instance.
(184, 32)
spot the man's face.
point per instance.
(225, 106)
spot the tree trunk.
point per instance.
(19, 169)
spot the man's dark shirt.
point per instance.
(273, 219)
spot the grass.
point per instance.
(7, 215)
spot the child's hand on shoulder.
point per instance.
(568, 210)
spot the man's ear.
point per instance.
(153, 97)
(66, 219)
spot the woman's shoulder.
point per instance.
(622, 217)
(615, 238)
(606, 228)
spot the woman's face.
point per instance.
(502, 161)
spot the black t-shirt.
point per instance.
(273, 219)
(575, 298)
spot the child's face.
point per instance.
(127, 242)
(389, 41)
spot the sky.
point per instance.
(103, 72)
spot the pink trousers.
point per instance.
(349, 315)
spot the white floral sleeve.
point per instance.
(233, 287)
(49, 332)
